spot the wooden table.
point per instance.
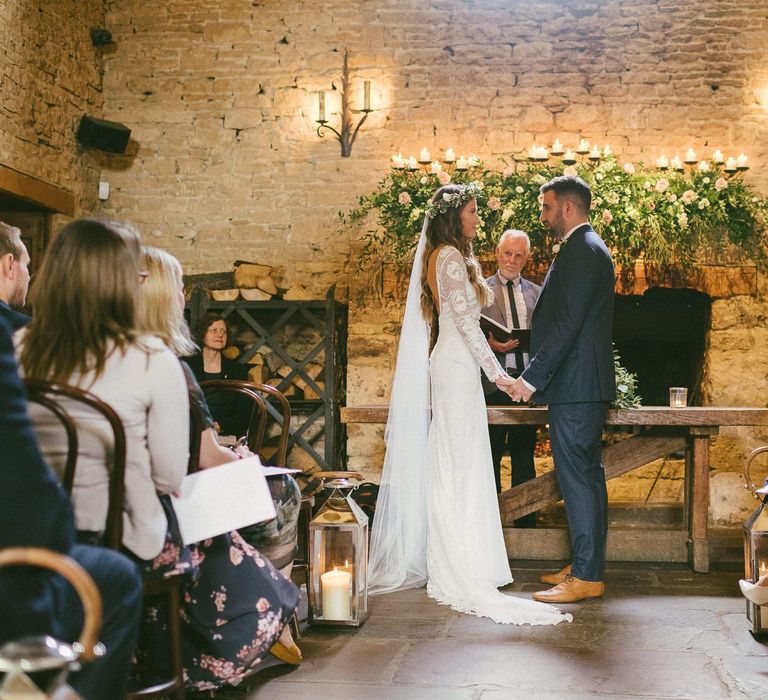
(659, 431)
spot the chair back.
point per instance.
(77, 577)
(48, 394)
(266, 401)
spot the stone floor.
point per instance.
(661, 631)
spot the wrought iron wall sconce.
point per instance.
(347, 135)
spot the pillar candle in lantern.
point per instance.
(424, 156)
(336, 597)
(450, 156)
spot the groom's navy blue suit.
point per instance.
(572, 369)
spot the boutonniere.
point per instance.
(556, 248)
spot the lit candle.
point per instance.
(321, 107)
(583, 146)
(336, 598)
(412, 164)
(662, 162)
(741, 161)
(398, 161)
(461, 163)
(557, 148)
(473, 161)
(594, 154)
(450, 156)
(532, 152)
(690, 156)
(569, 157)
(435, 167)
(367, 95)
(730, 164)
(704, 166)
(424, 156)
(607, 150)
(676, 163)
(717, 156)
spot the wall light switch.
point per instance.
(103, 190)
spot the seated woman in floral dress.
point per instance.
(84, 334)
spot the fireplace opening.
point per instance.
(660, 336)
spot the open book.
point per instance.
(503, 334)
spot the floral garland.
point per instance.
(454, 200)
(664, 217)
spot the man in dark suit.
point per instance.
(572, 371)
(36, 512)
(513, 300)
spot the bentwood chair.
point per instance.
(168, 589)
(86, 590)
(266, 402)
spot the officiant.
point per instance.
(513, 300)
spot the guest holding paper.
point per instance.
(84, 334)
(161, 313)
(513, 300)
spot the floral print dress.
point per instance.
(234, 606)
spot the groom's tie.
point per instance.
(515, 324)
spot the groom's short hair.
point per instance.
(572, 187)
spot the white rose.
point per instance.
(494, 203)
(721, 183)
(703, 203)
(443, 177)
(689, 196)
(629, 169)
(404, 198)
(519, 189)
(662, 185)
(671, 197)
(423, 180)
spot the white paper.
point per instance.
(221, 499)
(271, 471)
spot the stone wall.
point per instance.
(225, 164)
(50, 75)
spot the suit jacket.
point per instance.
(498, 312)
(34, 510)
(572, 325)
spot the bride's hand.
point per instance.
(504, 382)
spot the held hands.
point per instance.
(501, 348)
(519, 391)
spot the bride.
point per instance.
(437, 517)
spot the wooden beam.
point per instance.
(618, 458)
(36, 191)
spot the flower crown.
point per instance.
(454, 200)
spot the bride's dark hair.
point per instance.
(445, 229)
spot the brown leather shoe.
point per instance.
(557, 577)
(570, 591)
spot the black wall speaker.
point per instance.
(103, 134)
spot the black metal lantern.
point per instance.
(756, 545)
(338, 549)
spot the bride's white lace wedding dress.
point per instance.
(466, 555)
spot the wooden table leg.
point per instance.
(697, 492)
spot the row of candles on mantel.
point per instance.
(410, 163)
(593, 152)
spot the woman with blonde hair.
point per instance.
(440, 524)
(256, 590)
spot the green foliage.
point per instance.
(662, 217)
(626, 386)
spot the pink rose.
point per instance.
(629, 169)
(570, 170)
(662, 185)
(689, 196)
(607, 216)
(508, 171)
(404, 198)
(721, 183)
(444, 177)
(494, 203)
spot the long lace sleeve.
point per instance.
(455, 291)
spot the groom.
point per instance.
(572, 371)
